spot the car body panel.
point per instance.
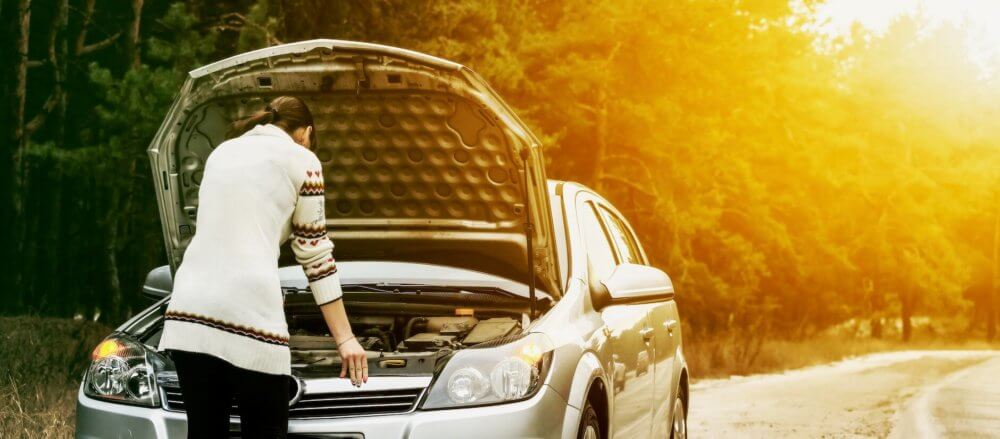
(666, 333)
(583, 358)
(575, 317)
(538, 417)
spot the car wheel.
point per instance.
(679, 425)
(590, 424)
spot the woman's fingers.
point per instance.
(354, 370)
(362, 369)
(360, 364)
(354, 363)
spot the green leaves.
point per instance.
(185, 44)
(778, 175)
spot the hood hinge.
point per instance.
(361, 75)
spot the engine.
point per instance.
(385, 334)
(397, 343)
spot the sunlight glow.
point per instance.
(980, 18)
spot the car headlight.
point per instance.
(484, 375)
(122, 370)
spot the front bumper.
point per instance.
(539, 417)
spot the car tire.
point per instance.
(678, 425)
(590, 423)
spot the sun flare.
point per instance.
(980, 19)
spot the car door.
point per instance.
(629, 366)
(663, 322)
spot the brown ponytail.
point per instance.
(287, 112)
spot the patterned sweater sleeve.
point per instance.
(313, 248)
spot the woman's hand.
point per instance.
(352, 355)
(353, 361)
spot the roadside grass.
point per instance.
(726, 355)
(41, 362)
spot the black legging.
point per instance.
(209, 385)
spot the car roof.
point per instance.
(565, 188)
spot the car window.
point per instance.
(600, 256)
(626, 244)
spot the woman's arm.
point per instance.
(314, 251)
(351, 353)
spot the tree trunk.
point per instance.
(601, 121)
(991, 314)
(114, 215)
(906, 313)
(127, 212)
(54, 253)
(135, 45)
(81, 37)
(59, 66)
(876, 306)
(21, 80)
(111, 252)
(56, 102)
(17, 177)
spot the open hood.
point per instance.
(423, 161)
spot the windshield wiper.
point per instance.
(368, 287)
(383, 287)
(392, 288)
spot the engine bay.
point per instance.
(409, 334)
(399, 339)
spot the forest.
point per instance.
(790, 180)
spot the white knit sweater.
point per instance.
(257, 190)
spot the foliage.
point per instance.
(787, 180)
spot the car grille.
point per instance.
(328, 405)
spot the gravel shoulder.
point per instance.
(872, 396)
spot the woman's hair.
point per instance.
(287, 112)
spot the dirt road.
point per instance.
(924, 394)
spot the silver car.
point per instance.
(493, 302)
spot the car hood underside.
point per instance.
(423, 162)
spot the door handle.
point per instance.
(646, 333)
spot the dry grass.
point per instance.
(41, 361)
(727, 355)
(37, 410)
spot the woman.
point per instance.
(225, 324)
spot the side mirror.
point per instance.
(159, 283)
(633, 283)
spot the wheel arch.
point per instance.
(589, 381)
(683, 386)
(600, 398)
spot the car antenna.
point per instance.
(528, 234)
